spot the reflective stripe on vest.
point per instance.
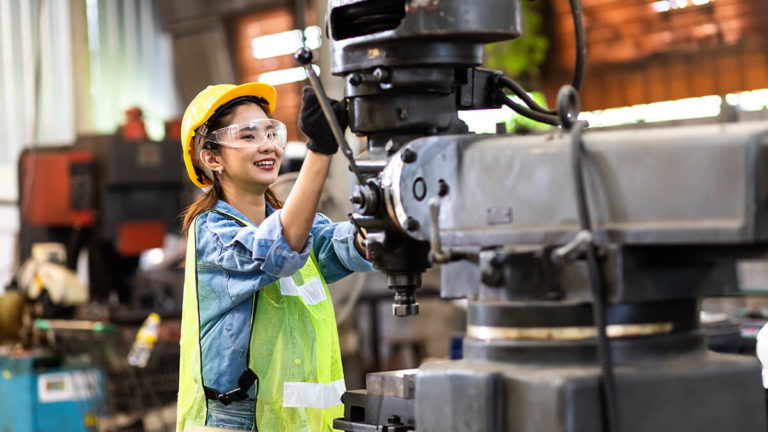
(312, 291)
(294, 350)
(313, 395)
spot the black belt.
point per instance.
(246, 380)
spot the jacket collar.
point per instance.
(227, 208)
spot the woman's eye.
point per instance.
(248, 137)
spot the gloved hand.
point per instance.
(314, 125)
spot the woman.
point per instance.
(259, 347)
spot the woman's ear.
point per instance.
(210, 160)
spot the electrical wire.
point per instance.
(566, 114)
(581, 45)
(597, 283)
(527, 112)
(535, 110)
(520, 92)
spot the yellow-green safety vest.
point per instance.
(294, 351)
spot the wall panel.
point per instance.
(715, 48)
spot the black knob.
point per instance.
(408, 155)
(411, 224)
(303, 56)
(355, 79)
(442, 188)
(381, 75)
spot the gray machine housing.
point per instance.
(674, 209)
(668, 186)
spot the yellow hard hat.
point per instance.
(204, 105)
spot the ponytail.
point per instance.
(203, 204)
(212, 196)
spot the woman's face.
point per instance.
(249, 166)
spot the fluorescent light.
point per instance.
(667, 5)
(288, 42)
(313, 37)
(483, 121)
(285, 76)
(755, 100)
(681, 109)
(661, 6)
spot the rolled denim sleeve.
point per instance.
(334, 248)
(254, 257)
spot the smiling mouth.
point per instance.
(265, 164)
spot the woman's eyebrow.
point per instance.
(248, 128)
(251, 127)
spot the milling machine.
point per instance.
(583, 255)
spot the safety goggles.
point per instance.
(255, 133)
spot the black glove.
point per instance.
(313, 123)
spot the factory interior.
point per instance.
(555, 216)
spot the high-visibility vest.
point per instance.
(294, 351)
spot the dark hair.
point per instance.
(218, 120)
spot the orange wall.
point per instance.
(248, 68)
(636, 55)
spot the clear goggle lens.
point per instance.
(252, 134)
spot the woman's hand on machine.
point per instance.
(313, 123)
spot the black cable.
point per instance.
(526, 112)
(581, 45)
(534, 110)
(597, 284)
(518, 90)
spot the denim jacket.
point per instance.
(234, 262)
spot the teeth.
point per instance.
(264, 163)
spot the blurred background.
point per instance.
(92, 181)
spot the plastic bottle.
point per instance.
(145, 341)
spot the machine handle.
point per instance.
(304, 57)
(438, 254)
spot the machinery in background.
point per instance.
(113, 196)
(108, 198)
(45, 279)
(573, 324)
(42, 393)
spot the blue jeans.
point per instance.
(238, 415)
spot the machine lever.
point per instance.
(304, 56)
(439, 256)
(574, 247)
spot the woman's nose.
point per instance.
(268, 146)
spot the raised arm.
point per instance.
(301, 205)
(299, 210)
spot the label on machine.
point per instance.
(67, 386)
